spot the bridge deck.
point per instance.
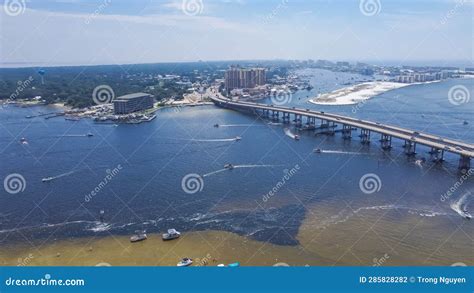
(446, 144)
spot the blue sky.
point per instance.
(118, 31)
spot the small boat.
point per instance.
(318, 151)
(138, 237)
(234, 264)
(89, 134)
(172, 234)
(297, 137)
(465, 122)
(185, 262)
(229, 166)
(216, 125)
(23, 140)
(46, 179)
(221, 265)
(238, 138)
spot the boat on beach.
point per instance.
(172, 234)
(138, 237)
(185, 262)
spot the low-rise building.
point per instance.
(133, 103)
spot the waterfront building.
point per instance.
(244, 78)
(133, 103)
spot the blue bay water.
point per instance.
(147, 192)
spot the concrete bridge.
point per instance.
(329, 123)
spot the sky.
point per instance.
(144, 31)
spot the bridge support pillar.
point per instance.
(364, 136)
(346, 131)
(386, 142)
(436, 155)
(297, 121)
(286, 118)
(464, 163)
(410, 148)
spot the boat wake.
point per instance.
(460, 206)
(239, 125)
(237, 138)
(290, 134)
(239, 166)
(59, 176)
(339, 152)
(346, 214)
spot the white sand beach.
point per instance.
(356, 93)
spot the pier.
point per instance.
(328, 122)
